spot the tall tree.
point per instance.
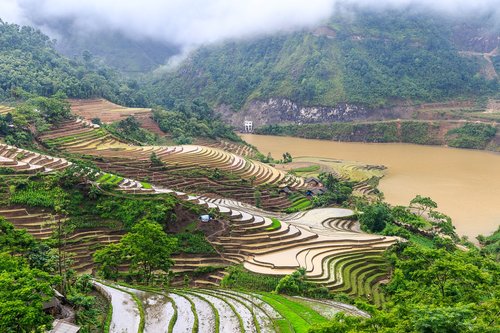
(148, 248)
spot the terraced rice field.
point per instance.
(216, 310)
(5, 109)
(235, 148)
(79, 245)
(181, 180)
(25, 161)
(84, 138)
(326, 242)
(105, 110)
(358, 172)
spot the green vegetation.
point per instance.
(185, 121)
(491, 244)
(367, 59)
(29, 62)
(28, 279)
(375, 217)
(440, 289)
(146, 248)
(38, 112)
(6, 171)
(305, 170)
(470, 135)
(299, 203)
(155, 161)
(420, 217)
(337, 191)
(36, 194)
(23, 291)
(129, 129)
(371, 58)
(30, 67)
(109, 179)
(23, 288)
(299, 316)
(240, 278)
(422, 133)
(297, 284)
(193, 243)
(129, 211)
(474, 136)
(365, 132)
(275, 225)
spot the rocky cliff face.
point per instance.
(280, 110)
(285, 111)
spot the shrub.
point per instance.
(38, 195)
(296, 284)
(474, 136)
(240, 278)
(194, 243)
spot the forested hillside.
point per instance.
(29, 61)
(365, 58)
(109, 48)
(31, 67)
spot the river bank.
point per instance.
(464, 183)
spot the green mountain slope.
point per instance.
(29, 61)
(367, 58)
(141, 55)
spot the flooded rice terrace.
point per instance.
(464, 183)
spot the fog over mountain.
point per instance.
(190, 23)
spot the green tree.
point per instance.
(14, 241)
(86, 312)
(22, 293)
(155, 161)
(258, 198)
(443, 319)
(297, 284)
(148, 248)
(375, 217)
(423, 204)
(287, 158)
(108, 260)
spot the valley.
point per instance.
(299, 167)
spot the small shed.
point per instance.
(313, 182)
(286, 190)
(205, 218)
(315, 191)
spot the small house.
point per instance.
(285, 190)
(313, 182)
(315, 192)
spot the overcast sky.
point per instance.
(190, 23)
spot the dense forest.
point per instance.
(32, 73)
(472, 136)
(28, 61)
(367, 58)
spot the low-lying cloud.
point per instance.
(190, 23)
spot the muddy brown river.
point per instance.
(464, 183)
